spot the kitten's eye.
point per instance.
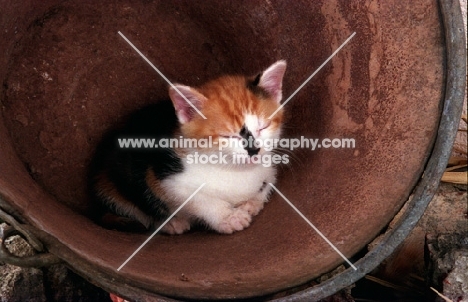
(264, 126)
(228, 136)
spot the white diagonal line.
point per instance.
(313, 226)
(160, 227)
(161, 74)
(312, 75)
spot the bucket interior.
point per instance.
(68, 77)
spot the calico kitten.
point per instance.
(146, 185)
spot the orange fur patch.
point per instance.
(155, 184)
(109, 193)
(229, 100)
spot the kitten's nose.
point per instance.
(247, 135)
(252, 151)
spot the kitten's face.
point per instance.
(237, 111)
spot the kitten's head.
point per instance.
(236, 108)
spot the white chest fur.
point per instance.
(230, 184)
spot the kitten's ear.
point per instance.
(181, 96)
(272, 80)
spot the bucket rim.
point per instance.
(425, 189)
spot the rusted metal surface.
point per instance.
(68, 76)
(15, 228)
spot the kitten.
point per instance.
(146, 185)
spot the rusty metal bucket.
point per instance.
(396, 88)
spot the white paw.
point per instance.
(237, 220)
(177, 225)
(251, 207)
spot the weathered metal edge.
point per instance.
(428, 184)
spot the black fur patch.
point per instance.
(264, 184)
(127, 167)
(252, 85)
(257, 80)
(250, 146)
